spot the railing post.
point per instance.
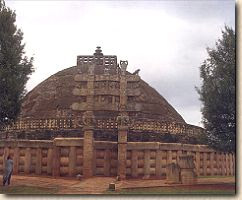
(198, 163)
(49, 160)
(212, 163)
(227, 164)
(204, 163)
(56, 160)
(223, 165)
(169, 157)
(234, 164)
(16, 160)
(27, 161)
(147, 163)
(72, 161)
(218, 163)
(107, 162)
(38, 161)
(134, 163)
(231, 164)
(158, 162)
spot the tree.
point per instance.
(15, 67)
(217, 93)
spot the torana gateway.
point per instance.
(98, 119)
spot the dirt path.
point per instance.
(98, 185)
(95, 185)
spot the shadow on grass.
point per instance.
(27, 190)
(226, 189)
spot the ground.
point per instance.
(99, 185)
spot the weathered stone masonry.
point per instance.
(65, 157)
(100, 84)
(98, 97)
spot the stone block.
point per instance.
(173, 173)
(188, 177)
(112, 186)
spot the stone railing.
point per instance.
(105, 123)
(57, 158)
(107, 60)
(154, 126)
(60, 123)
(151, 159)
(64, 157)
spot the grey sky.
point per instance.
(167, 40)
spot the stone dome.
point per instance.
(100, 91)
(54, 97)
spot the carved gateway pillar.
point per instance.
(88, 144)
(123, 121)
(123, 85)
(88, 120)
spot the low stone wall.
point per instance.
(106, 158)
(28, 156)
(64, 157)
(151, 158)
(61, 157)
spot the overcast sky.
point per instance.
(167, 40)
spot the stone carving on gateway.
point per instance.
(88, 119)
(97, 84)
(123, 65)
(123, 119)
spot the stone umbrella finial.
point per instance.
(98, 51)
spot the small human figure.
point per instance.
(8, 171)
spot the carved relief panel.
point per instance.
(133, 85)
(106, 85)
(106, 102)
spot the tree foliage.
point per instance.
(217, 92)
(15, 67)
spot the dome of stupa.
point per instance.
(101, 85)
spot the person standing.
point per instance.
(8, 171)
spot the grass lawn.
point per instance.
(220, 189)
(215, 176)
(26, 190)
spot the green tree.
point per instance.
(15, 67)
(217, 93)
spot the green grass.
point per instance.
(215, 176)
(175, 190)
(26, 190)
